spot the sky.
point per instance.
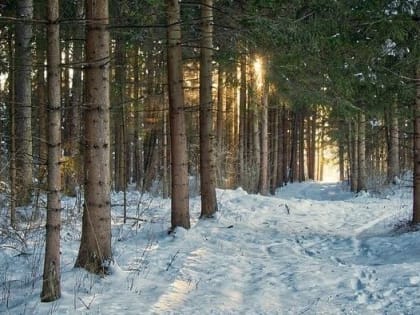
(312, 248)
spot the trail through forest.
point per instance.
(313, 248)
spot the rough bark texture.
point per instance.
(23, 66)
(95, 247)
(207, 162)
(139, 122)
(220, 123)
(118, 94)
(281, 136)
(242, 122)
(179, 172)
(73, 179)
(263, 178)
(394, 146)
(416, 190)
(274, 140)
(12, 142)
(51, 290)
(361, 179)
(301, 176)
(354, 169)
(293, 149)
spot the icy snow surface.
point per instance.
(313, 248)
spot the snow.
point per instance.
(313, 248)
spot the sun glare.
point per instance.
(3, 78)
(331, 172)
(258, 70)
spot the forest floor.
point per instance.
(313, 248)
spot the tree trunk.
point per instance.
(321, 141)
(242, 122)
(138, 125)
(353, 147)
(263, 178)
(394, 146)
(286, 144)
(293, 149)
(274, 140)
(362, 175)
(165, 176)
(207, 163)
(416, 190)
(341, 161)
(119, 116)
(95, 248)
(51, 289)
(73, 179)
(12, 128)
(311, 147)
(180, 215)
(301, 176)
(230, 132)
(280, 135)
(220, 123)
(41, 107)
(23, 66)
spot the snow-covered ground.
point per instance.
(313, 248)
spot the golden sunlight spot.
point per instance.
(178, 290)
(331, 172)
(3, 78)
(258, 70)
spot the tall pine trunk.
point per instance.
(73, 179)
(51, 289)
(95, 247)
(294, 149)
(362, 168)
(301, 174)
(394, 145)
(263, 178)
(207, 162)
(12, 128)
(180, 215)
(120, 181)
(23, 66)
(416, 190)
(353, 154)
(243, 130)
(220, 123)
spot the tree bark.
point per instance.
(95, 248)
(294, 149)
(73, 180)
(12, 128)
(207, 162)
(138, 125)
(51, 289)
(119, 117)
(394, 146)
(220, 123)
(362, 175)
(243, 130)
(274, 140)
(281, 137)
(353, 147)
(416, 189)
(179, 159)
(23, 65)
(263, 178)
(301, 174)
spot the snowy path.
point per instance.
(313, 259)
(311, 249)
